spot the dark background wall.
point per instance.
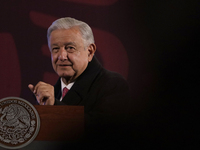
(154, 44)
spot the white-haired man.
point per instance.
(104, 94)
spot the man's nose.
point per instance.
(62, 55)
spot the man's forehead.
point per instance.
(61, 33)
(74, 29)
(65, 36)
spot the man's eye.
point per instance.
(70, 49)
(55, 49)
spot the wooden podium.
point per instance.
(60, 123)
(61, 127)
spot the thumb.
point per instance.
(31, 87)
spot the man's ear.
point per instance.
(91, 51)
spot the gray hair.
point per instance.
(66, 23)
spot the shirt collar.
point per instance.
(64, 85)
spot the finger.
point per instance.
(31, 87)
(41, 99)
(38, 86)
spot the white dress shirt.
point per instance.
(64, 85)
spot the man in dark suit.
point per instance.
(104, 94)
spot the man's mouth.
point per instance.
(64, 65)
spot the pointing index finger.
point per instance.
(31, 87)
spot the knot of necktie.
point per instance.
(65, 90)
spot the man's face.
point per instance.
(69, 55)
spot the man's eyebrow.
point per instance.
(67, 43)
(70, 43)
(54, 45)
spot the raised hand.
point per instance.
(44, 93)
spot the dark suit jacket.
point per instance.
(101, 92)
(98, 90)
(104, 95)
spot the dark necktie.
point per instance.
(65, 90)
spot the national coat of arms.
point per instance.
(19, 123)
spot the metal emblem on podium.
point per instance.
(19, 123)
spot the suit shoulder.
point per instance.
(114, 76)
(112, 80)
